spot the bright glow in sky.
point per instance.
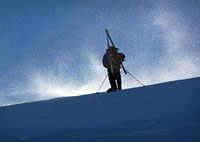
(54, 48)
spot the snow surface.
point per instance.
(162, 112)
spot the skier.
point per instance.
(112, 60)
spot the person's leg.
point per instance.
(112, 81)
(119, 81)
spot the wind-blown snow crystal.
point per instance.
(48, 85)
(178, 61)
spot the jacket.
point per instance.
(113, 59)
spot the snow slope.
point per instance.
(161, 112)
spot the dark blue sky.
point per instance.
(53, 48)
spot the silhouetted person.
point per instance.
(112, 60)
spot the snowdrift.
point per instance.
(161, 112)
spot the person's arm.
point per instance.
(121, 56)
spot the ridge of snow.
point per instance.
(45, 118)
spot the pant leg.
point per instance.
(118, 78)
(112, 80)
(119, 83)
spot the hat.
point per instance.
(112, 48)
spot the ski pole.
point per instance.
(135, 78)
(102, 83)
(124, 69)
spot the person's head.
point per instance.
(112, 49)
